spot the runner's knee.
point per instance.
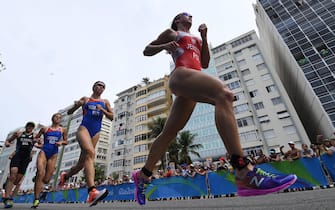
(224, 96)
(89, 153)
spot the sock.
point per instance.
(146, 172)
(239, 162)
(90, 189)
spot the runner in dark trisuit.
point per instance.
(20, 161)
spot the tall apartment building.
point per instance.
(152, 101)
(265, 117)
(299, 40)
(120, 152)
(134, 109)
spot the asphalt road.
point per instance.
(312, 199)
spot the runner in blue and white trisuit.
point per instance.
(53, 137)
(94, 108)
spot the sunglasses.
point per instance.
(185, 14)
(101, 85)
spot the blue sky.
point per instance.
(54, 50)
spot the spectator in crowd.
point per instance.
(125, 178)
(222, 165)
(332, 143)
(190, 171)
(327, 143)
(274, 156)
(169, 172)
(325, 150)
(159, 174)
(293, 154)
(183, 169)
(315, 149)
(178, 171)
(199, 169)
(105, 182)
(261, 158)
(252, 159)
(211, 167)
(306, 152)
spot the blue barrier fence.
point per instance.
(309, 171)
(329, 162)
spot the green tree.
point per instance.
(146, 80)
(180, 149)
(99, 172)
(156, 126)
(115, 176)
(185, 140)
(173, 150)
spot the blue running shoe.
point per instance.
(139, 184)
(259, 182)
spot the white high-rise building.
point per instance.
(121, 147)
(299, 41)
(135, 109)
(265, 116)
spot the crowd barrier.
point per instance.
(309, 171)
(329, 162)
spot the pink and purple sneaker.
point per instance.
(259, 182)
(139, 184)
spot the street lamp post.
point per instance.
(166, 159)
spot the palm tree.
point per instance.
(156, 126)
(99, 172)
(146, 80)
(173, 150)
(185, 140)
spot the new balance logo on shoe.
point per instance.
(256, 181)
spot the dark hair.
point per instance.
(30, 124)
(52, 118)
(99, 82)
(174, 25)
